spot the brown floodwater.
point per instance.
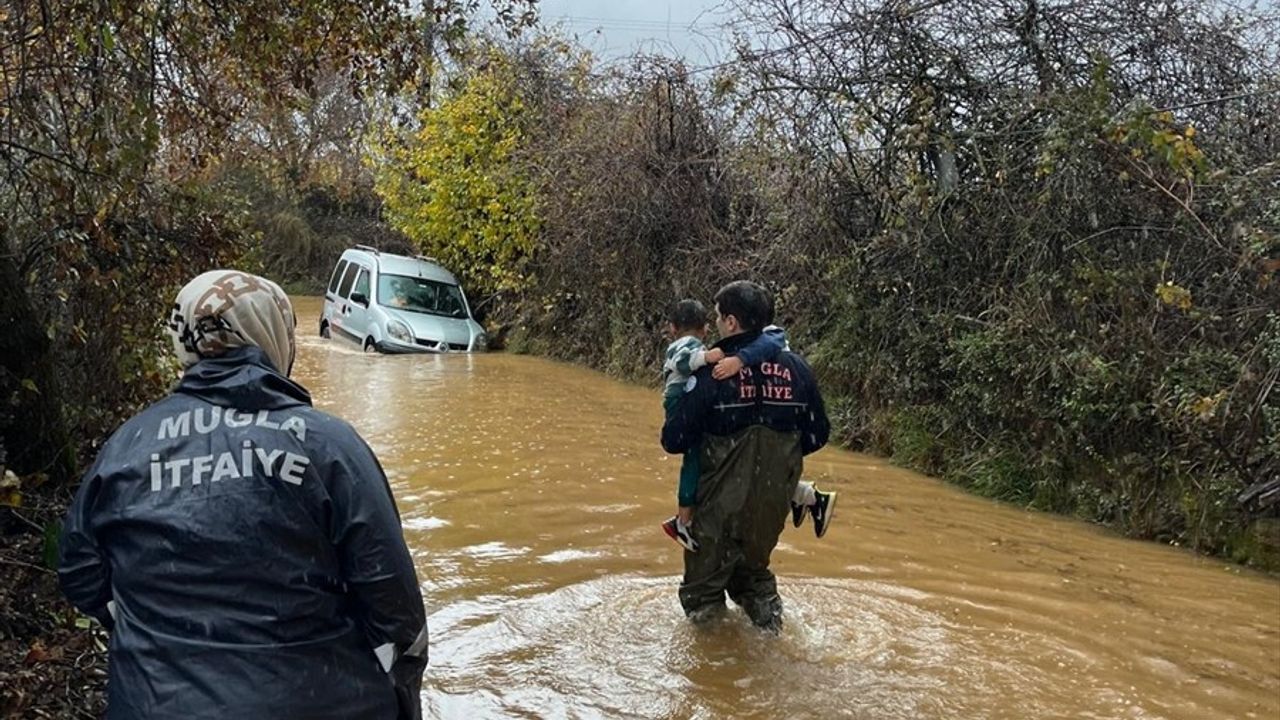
(531, 494)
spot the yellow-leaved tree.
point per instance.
(456, 188)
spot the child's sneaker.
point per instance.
(679, 532)
(824, 506)
(797, 514)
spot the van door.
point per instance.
(358, 305)
(338, 319)
(330, 308)
(332, 292)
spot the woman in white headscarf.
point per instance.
(244, 548)
(225, 309)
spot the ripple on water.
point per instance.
(493, 551)
(563, 556)
(604, 509)
(620, 647)
(424, 523)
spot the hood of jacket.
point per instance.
(243, 378)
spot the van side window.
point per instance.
(362, 283)
(347, 279)
(337, 275)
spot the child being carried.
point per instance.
(687, 323)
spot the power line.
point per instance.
(1214, 101)
(642, 31)
(836, 32)
(754, 57)
(639, 23)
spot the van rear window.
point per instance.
(337, 275)
(347, 279)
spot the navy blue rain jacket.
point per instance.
(781, 395)
(246, 552)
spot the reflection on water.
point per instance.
(531, 494)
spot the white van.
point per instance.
(397, 304)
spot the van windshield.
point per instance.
(420, 295)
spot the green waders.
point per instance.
(744, 496)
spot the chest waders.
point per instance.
(744, 497)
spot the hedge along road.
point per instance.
(531, 494)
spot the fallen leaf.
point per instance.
(39, 654)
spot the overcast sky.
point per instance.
(615, 28)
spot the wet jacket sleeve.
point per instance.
(765, 347)
(379, 572)
(686, 422)
(83, 572)
(815, 427)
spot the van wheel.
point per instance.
(369, 347)
(324, 330)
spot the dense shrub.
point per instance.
(1030, 249)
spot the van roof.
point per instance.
(390, 264)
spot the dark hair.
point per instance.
(688, 315)
(750, 303)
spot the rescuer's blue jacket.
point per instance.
(246, 552)
(780, 395)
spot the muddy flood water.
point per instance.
(531, 494)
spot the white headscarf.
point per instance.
(225, 309)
